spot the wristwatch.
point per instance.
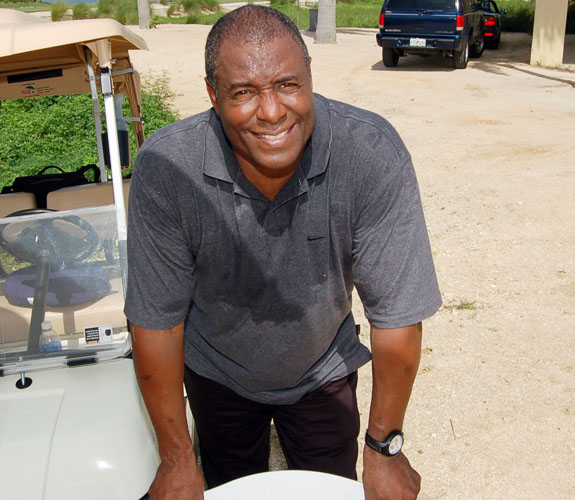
(389, 447)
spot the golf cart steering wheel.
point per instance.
(59, 240)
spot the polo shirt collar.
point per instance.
(220, 161)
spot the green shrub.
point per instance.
(192, 17)
(80, 11)
(358, 15)
(59, 130)
(189, 5)
(58, 11)
(126, 11)
(106, 8)
(212, 5)
(194, 8)
(570, 28)
(520, 16)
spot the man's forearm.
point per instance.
(159, 364)
(395, 354)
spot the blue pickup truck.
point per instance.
(452, 28)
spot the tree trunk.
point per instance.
(144, 13)
(325, 32)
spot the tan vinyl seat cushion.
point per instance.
(89, 195)
(13, 202)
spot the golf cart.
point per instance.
(72, 422)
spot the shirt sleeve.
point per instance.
(160, 261)
(392, 263)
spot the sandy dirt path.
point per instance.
(492, 415)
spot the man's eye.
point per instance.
(242, 94)
(289, 86)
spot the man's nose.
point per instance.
(270, 107)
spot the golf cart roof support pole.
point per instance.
(117, 185)
(97, 114)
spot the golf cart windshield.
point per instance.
(62, 292)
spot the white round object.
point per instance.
(288, 485)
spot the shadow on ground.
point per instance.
(514, 53)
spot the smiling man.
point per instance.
(249, 226)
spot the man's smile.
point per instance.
(274, 139)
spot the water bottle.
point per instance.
(49, 339)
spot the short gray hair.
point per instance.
(253, 24)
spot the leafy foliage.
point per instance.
(520, 15)
(570, 18)
(81, 11)
(126, 11)
(59, 130)
(58, 11)
(193, 11)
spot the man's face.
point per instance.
(265, 102)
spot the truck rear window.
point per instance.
(448, 5)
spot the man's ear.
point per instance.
(213, 95)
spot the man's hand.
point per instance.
(389, 478)
(182, 481)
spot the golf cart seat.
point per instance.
(14, 320)
(14, 202)
(87, 195)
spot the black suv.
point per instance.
(452, 28)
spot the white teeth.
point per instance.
(279, 136)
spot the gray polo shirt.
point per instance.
(264, 287)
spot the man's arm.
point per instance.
(159, 364)
(395, 354)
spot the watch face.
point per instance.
(395, 444)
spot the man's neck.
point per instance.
(269, 183)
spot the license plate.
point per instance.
(417, 42)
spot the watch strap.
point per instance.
(382, 446)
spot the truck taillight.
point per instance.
(490, 21)
(381, 20)
(460, 23)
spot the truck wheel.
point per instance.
(460, 57)
(390, 57)
(477, 46)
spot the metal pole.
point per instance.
(297, 14)
(40, 296)
(97, 114)
(110, 109)
(144, 14)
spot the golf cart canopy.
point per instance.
(40, 58)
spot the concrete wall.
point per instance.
(549, 32)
